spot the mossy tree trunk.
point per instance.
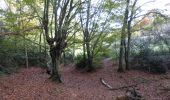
(55, 56)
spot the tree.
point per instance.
(86, 36)
(127, 50)
(63, 12)
(94, 29)
(123, 37)
(131, 13)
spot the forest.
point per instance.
(84, 50)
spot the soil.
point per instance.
(32, 84)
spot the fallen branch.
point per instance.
(105, 84)
(111, 88)
(165, 87)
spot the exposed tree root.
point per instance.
(55, 78)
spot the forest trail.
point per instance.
(33, 84)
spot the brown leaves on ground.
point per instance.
(33, 84)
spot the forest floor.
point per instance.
(33, 84)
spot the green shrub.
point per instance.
(80, 61)
(151, 61)
(97, 63)
(7, 70)
(12, 54)
(67, 58)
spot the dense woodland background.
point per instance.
(86, 35)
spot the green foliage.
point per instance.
(110, 4)
(67, 57)
(7, 70)
(12, 54)
(148, 27)
(80, 61)
(159, 20)
(104, 53)
(102, 33)
(97, 63)
(28, 1)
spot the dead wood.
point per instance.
(164, 87)
(118, 88)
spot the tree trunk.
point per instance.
(128, 46)
(127, 54)
(64, 58)
(89, 57)
(87, 39)
(26, 53)
(39, 60)
(73, 52)
(55, 65)
(121, 54)
(84, 48)
(123, 41)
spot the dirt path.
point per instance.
(33, 84)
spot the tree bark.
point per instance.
(121, 55)
(127, 52)
(87, 39)
(26, 53)
(89, 58)
(122, 41)
(55, 57)
(55, 65)
(62, 19)
(128, 46)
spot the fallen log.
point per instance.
(111, 88)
